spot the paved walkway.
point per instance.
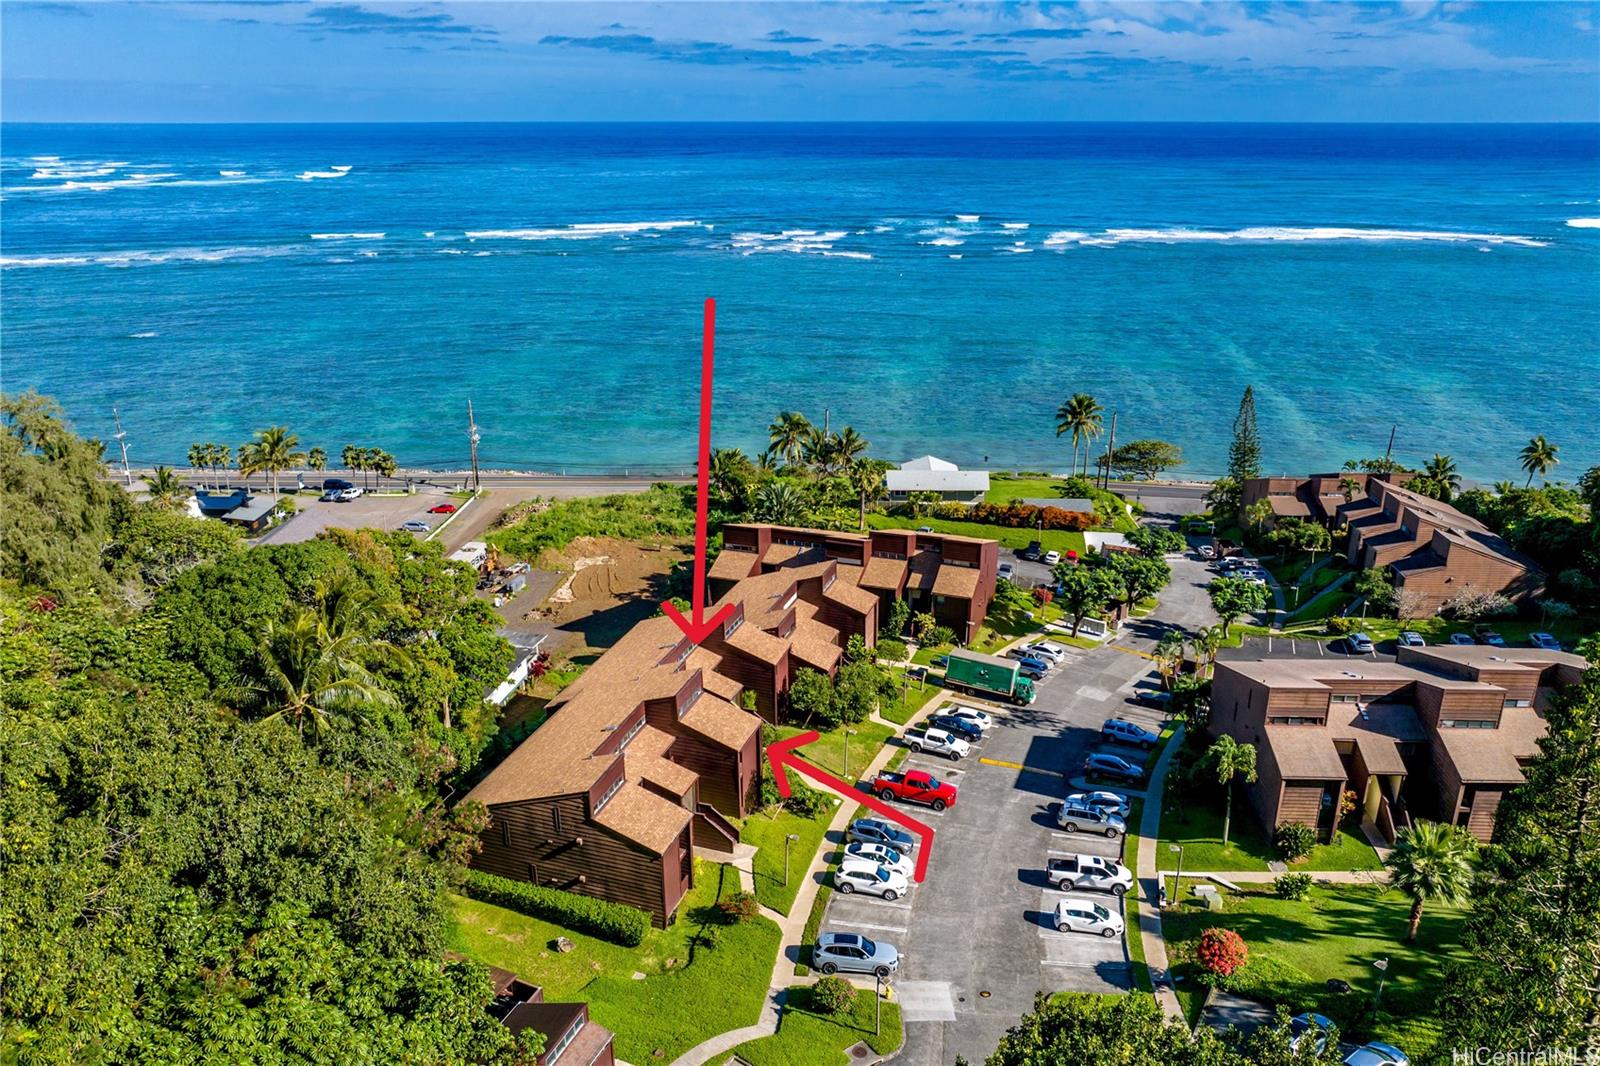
(1266, 877)
(1150, 937)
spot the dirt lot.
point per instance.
(602, 588)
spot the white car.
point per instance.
(346, 495)
(1052, 653)
(938, 742)
(1052, 558)
(880, 855)
(973, 715)
(862, 875)
(1410, 638)
(1089, 871)
(1114, 802)
(1078, 915)
(1207, 551)
(1376, 1054)
(1005, 572)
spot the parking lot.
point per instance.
(365, 512)
(978, 936)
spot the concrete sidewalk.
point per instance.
(1150, 937)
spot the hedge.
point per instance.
(616, 922)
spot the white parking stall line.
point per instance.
(878, 901)
(1090, 964)
(870, 925)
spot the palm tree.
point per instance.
(729, 477)
(166, 489)
(1431, 861)
(1169, 656)
(848, 445)
(1441, 470)
(351, 457)
(317, 459)
(1207, 641)
(384, 464)
(787, 436)
(274, 451)
(308, 671)
(1080, 416)
(199, 457)
(1228, 759)
(221, 457)
(371, 460)
(780, 504)
(818, 449)
(1538, 457)
(866, 477)
(1504, 488)
(248, 458)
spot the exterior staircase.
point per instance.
(713, 831)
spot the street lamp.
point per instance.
(787, 840)
(1382, 966)
(1177, 887)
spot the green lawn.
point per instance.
(689, 992)
(768, 835)
(1130, 902)
(829, 750)
(909, 699)
(1197, 825)
(1061, 540)
(808, 1038)
(1338, 931)
(1003, 488)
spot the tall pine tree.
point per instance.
(1244, 454)
(1534, 935)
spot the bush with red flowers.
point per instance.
(1221, 952)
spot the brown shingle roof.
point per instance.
(1489, 756)
(849, 596)
(643, 817)
(882, 573)
(816, 645)
(717, 719)
(924, 571)
(1289, 507)
(645, 760)
(733, 565)
(757, 644)
(1305, 753)
(959, 581)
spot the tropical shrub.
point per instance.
(1292, 886)
(804, 801)
(833, 995)
(940, 635)
(891, 651)
(615, 922)
(739, 907)
(1221, 952)
(1043, 595)
(1343, 625)
(1294, 840)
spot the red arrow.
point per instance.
(698, 627)
(782, 756)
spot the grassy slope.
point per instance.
(767, 834)
(828, 751)
(1060, 540)
(701, 993)
(808, 1038)
(663, 511)
(909, 700)
(1338, 931)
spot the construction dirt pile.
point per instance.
(612, 585)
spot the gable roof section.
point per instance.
(643, 817)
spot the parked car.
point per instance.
(941, 661)
(1033, 552)
(1359, 644)
(1089, 871)
(924, 529)
(914, 786)
(1462, 639)
(1377, 1054)
(442, 508)
(1160, 699)
(1050, 653)
(965, 728)
(1028, 662)
(1207, 551)
(1114, 802)
(938, 742)
(868, 878)
(1051, 558)
(1410, 638)
(1125, 732)
(331, 496)
(853, 953)
(416, 525)
(351, 493)
(978, 718)
(336, 484)
(1085, 818)
(882, 854)
(1005, 572)
(1491, 638)
(1547, 641)
(1075, 915)
(877, 831)
(1118, 769)
(1302, 1026)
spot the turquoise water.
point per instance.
(941, 288)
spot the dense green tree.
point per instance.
(1374, 586)
(1244, 452)
(1225, 498)
(731, 480)
(1139, 576)
(165, 488)
(856, 690)
(1084, 591)
(811, 696)
(1233, 597)
(313, 661)
(1144, 459)
(1538, 456)
(1440, 478)
(152, 546)
(1081, 416)
(1532, 977)
(899, 617)
(1227, 761)
(1156, 540)
(1431, 862)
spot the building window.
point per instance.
(606, 796)
(734, 622)
(1466, 723)
(1519, 703)
(688, 701)
(632, 732)
(533, 874)
(555, 820)
(567, 1038)
(1293, 720)
(1344, 697)
(505, 831)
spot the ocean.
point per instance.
(941, 288)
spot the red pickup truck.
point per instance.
(917, 786)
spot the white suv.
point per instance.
(863, 875)
(1080, 817)
(1078, 915)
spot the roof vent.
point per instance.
(1497, 658)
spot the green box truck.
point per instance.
(988, 675)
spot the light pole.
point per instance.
(787, 840)
(1382, 966)
(1177, 887)
(877, 1007)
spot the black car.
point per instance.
(961, 727)
(336, 484)
(1033, 552)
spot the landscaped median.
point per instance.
(681, 985)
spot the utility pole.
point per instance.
(1111, 446)
(1390, 449)
(122, 439)
(474, 436)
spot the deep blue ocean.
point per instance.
(940, 287)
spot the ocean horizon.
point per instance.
(940, 287)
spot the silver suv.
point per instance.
(854, 953)
(1075, 817)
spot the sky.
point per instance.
(913, 60)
